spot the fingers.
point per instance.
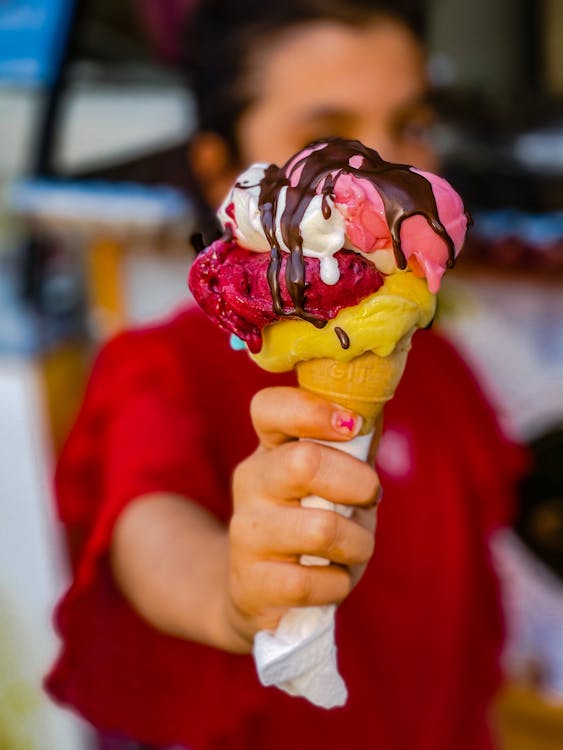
(279, 586)
(266, 578)
(282, 414)
(296, 469)
(285, 534)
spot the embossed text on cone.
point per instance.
(364, 384)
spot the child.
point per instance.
(176, 569)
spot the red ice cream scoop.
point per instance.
(231, 285)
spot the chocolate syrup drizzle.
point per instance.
(342, 337)
(404, 193)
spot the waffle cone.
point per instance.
(363, 385)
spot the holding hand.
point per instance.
(270, 530)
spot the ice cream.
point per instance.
(305, 243)
(329, 264)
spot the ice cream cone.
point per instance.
(363, 385)
(357, 248)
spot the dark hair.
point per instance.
(223, 34)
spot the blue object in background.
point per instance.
(99, 201)
(540, 230)
(33, 35)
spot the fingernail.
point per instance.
(346, 422)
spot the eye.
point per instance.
(417, 131)
(419, 126)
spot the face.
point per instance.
(329, 79)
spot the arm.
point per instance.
(189, 576)
(170, 559)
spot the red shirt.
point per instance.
(419, 638)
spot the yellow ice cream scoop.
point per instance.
(376, 324)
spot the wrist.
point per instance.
(230, 630)
(239, 632)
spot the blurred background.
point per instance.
(95, 217)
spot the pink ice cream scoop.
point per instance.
(333, 221)
(424, 250)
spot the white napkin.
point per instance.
(300, 657)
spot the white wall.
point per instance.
(510, 329)
(32, 574)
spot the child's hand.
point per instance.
(269, 530)
(189, 576)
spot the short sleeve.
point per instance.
(139, 432)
